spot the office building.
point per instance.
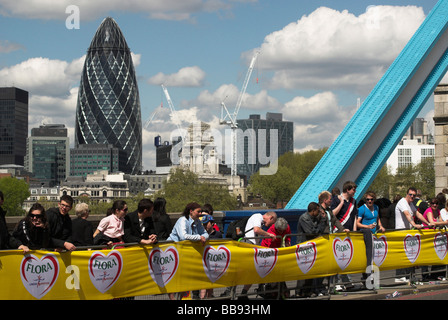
(48, 154)
(417, 144)
(409, 152)
(108, 108)
(261, 141)
(13, 125)
(89, 158)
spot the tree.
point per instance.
(293, 169)
(382, 183)
(183, 186)
(426, 177)
(15, 192)
(276, 187)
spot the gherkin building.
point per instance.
(108, 109)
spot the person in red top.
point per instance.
(280, 229)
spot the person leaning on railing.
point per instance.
(61, 224)
(189, 227)
(138, 225)
(33, 231)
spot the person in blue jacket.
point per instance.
(189, 227)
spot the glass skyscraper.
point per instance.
(48, 154)
(108, 109)
(13, 125)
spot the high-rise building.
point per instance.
(108, 109)
(48, 154)
(13, 125)
(89, 158)
(261, 141)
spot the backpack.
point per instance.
(231, 229)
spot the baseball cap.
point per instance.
(206, 218)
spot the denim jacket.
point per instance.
(187, 229)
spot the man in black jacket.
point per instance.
(61, 223)
(138, 225)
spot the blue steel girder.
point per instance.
(372, 134)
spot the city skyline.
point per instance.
(316, 59)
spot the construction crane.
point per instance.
(230, 119)
(148, 122)
(173, 112)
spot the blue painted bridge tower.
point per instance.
(369, 138)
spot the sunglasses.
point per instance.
(370, 199)
(35, 216)
(412, 194)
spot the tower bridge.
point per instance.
(365, 144)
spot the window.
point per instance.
(404, 157)
(427, 153)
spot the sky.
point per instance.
(316, 59)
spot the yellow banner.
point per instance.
(184, 266)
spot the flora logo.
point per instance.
(104, 270)
(412, 247)
(39, 275)
(265, 260)
(163, 264)
(380, 249)
(440, 245)
(343, 252)
(306, 255)
(215, 262)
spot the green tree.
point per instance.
(15, 192)
(278, 187)
(381, 185)
(183, 186)
(426, 177)
(420, 176)
(293, 169)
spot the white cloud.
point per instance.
(318, 120)
(229, 93)
(43, 76)
(90, 10)
(330, 49)
(185, 77)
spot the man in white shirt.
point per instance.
(404, 219)
(255, 224)
(406, 210)
(254, 229)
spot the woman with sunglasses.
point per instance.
(368, 214)
(33, 231)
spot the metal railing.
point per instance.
(282, 290)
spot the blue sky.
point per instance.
(316, 58)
